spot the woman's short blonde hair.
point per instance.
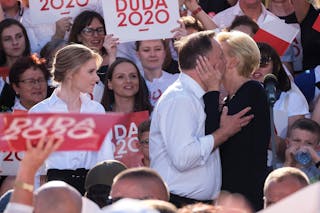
(243, 47)
(70, 58)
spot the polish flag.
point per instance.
(277, 34)
(316, 24)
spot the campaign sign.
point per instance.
(4, 73)
(78, 131)
(132, 20)
(125, 138)
(49, 11)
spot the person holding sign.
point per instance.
(74, 67)
(89, 29)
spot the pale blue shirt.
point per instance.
(179, 149)
(74, 159)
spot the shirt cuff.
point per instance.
(18, 208)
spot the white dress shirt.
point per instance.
(179, 150)
(74, 159)
(226, 17)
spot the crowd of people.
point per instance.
(212, 132)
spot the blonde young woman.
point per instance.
(74, 68)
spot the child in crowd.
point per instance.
(302, 143)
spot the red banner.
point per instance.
(4, 73)
(316, 24)
(125, 139)
(79, 131)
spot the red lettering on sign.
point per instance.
(45, 6)
(11, 155)
(149, 19)
(57, 7)
(85, 3)
(161, 3)
(122, 24)
(70, 5)
(121, 7)
(166, 16)
(138, 20)
(132, 6)
(137, 13)
(145, 6)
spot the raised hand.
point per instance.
(110, 44)
(180, 31)
(62, 26)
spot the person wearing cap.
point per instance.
(99, 180)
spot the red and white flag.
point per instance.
(316, 24)
(277, 34)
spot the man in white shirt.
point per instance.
(186, 158)
(254, 9)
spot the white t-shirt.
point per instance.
(159, 85)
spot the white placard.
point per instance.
(10, 162)
(50, 11)
(132, 20)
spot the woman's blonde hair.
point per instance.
(70, 58)
(244, 48)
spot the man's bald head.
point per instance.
(139, 183)
(57, 196)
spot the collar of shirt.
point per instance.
(192, 85)
(262, 18)
(54, 99)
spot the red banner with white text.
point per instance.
(125, 139)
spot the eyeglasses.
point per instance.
(145, 142)
(31, 81)
(88, 31)
(265, 60)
